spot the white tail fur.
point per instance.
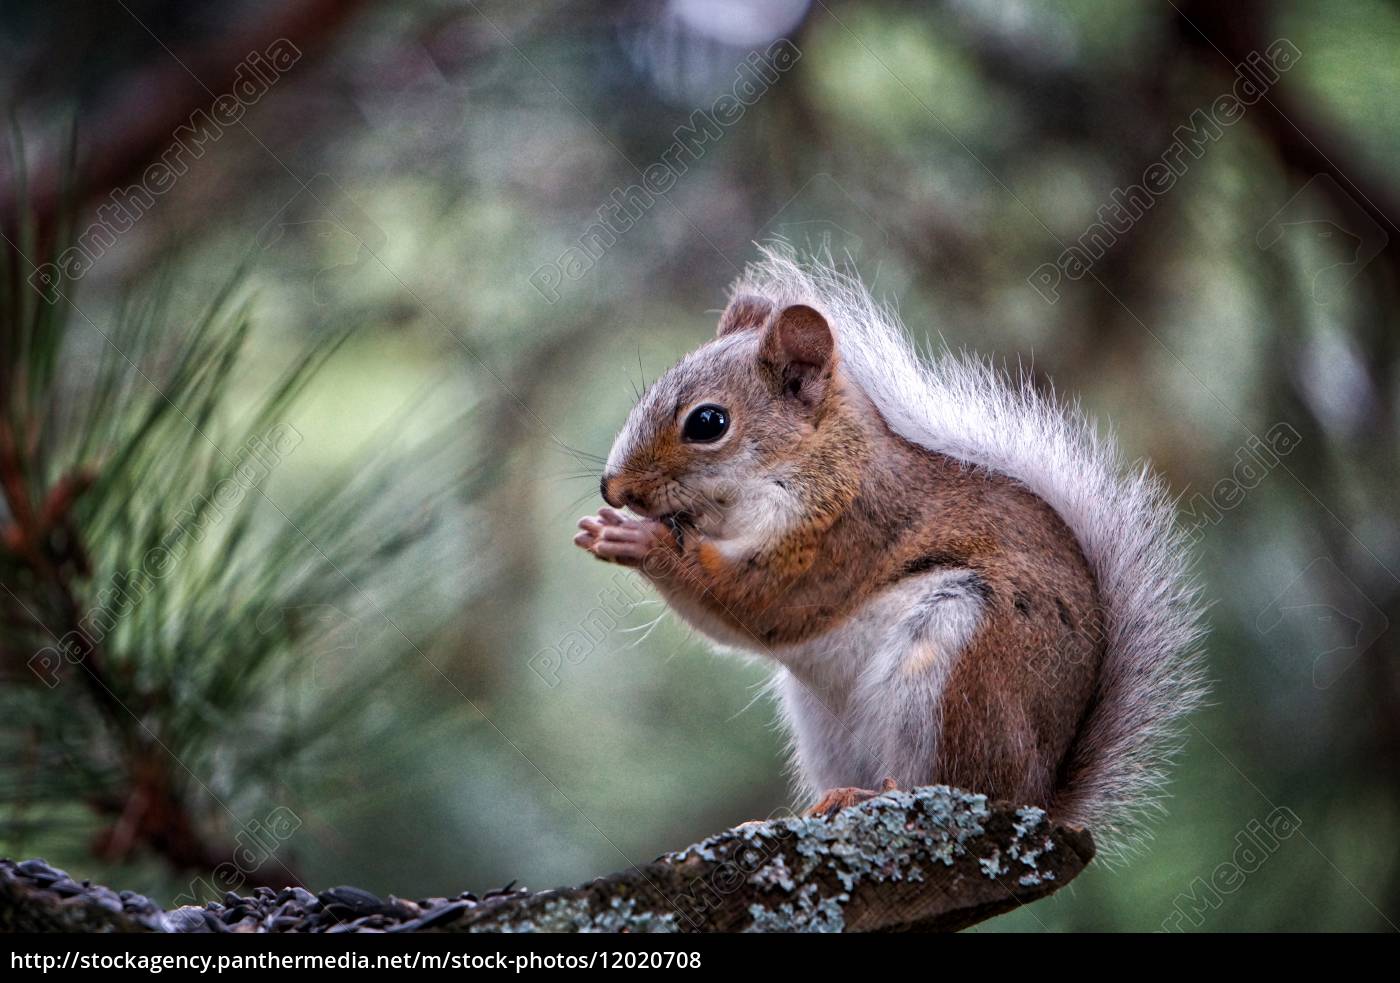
(962, 406)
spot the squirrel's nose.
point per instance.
(604, 489)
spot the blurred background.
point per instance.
(453, 237)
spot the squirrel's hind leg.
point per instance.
(837, 799)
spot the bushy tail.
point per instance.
(1152, 674)
(1124, 520)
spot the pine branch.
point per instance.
(148, 580)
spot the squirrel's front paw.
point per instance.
(619, 538)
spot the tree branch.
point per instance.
(936, 859)
(143, 110)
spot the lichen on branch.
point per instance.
(932, 859)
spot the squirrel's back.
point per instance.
(1151, 675)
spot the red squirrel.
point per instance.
(957, 579)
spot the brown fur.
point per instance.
(875, 509)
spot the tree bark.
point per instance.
(935, 859)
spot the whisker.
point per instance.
(689, 637)
(649, 629)
(759, 694)
(579, 452)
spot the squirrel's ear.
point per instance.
(744, 313)
(797, 348)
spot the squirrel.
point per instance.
(958, 581)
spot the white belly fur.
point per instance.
(861, 702)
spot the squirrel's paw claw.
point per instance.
(837, 799)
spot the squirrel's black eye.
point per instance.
(705, 423)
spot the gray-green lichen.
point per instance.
(805, 874)
(1030, 845)
(891, 838)
(991, 864)
(580, 914)
(807, 914)
(775, 874)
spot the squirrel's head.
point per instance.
(730, 421)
